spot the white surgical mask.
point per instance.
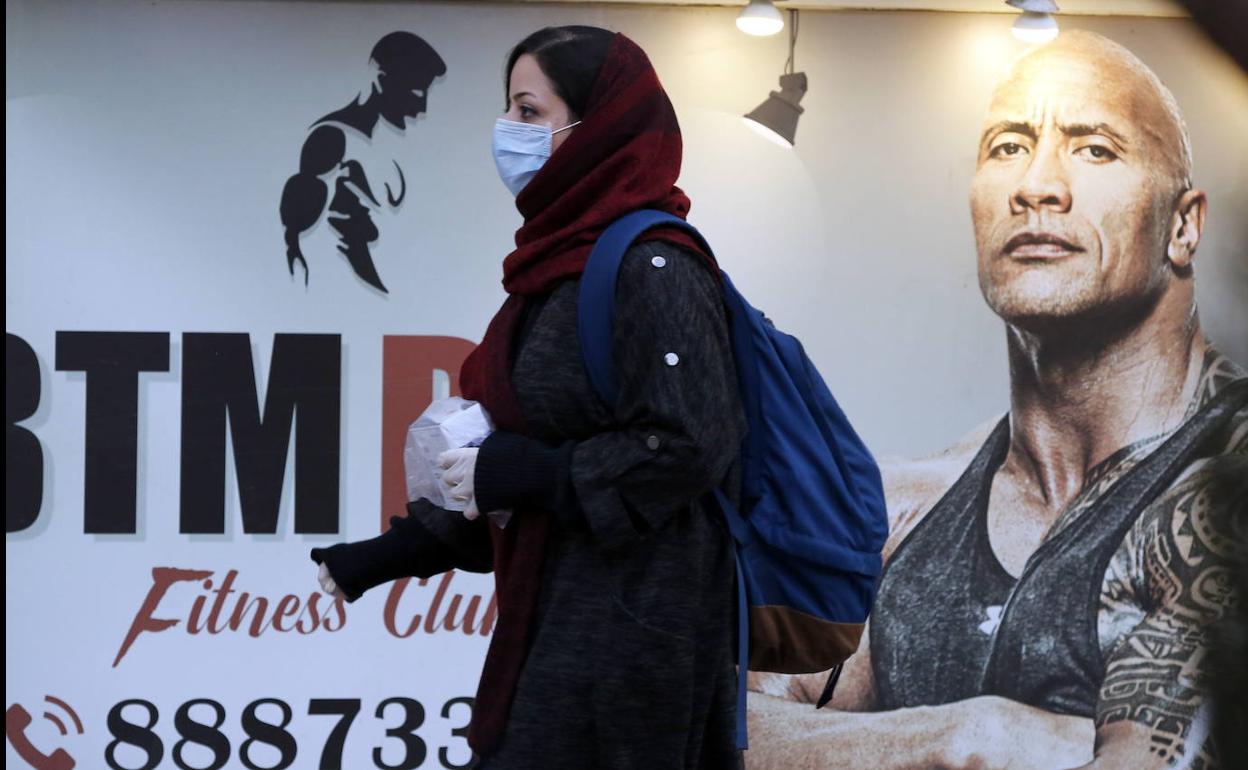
(520, 150)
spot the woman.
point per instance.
(613, 647)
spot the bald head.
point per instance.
(1082, 200)
(1079, 62)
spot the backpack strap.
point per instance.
(741, 533)
(595, 314)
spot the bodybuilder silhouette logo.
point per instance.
(405, 68)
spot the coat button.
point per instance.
(658, 262)
(652, 443)
(671, 359)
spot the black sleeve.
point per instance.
(515, 471)
(426, 542)
(679, 415)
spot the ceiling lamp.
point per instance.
(776, 118)
(760, 18)
(1037, 24)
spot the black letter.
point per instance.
(200, 734)
(218, 379)
(128, 733)
(347, 709)
(23, 473)
(112, 361)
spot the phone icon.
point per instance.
(16, 721)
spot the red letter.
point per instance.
(431, 619)
(340, 609)
(224, 590)
(392, 608)
(310, 608)
(491, 613)
(258, 623)
(407, 367)
(162, 579)
(284, 609)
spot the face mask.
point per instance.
(520, 150)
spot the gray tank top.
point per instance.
(950, 623)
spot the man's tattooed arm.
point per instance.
(1175, 567)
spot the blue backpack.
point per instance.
(811, 522)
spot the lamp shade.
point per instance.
(776, 118)
(1034, 6)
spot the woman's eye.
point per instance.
(527, 112)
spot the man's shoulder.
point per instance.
(1222, 455)
(1218, 372)
(1218, 473)
(913, 486)
(1200, 515)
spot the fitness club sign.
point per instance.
(301, 403)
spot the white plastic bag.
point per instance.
(448, 423)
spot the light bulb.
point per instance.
(1035, 27)
(760, 18)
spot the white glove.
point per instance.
(327, 583)
(459, 466)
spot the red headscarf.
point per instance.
(624, 156)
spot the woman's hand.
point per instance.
(458, 470)
(327, 583)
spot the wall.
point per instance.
(147, 145)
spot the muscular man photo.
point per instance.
(1052, 580)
